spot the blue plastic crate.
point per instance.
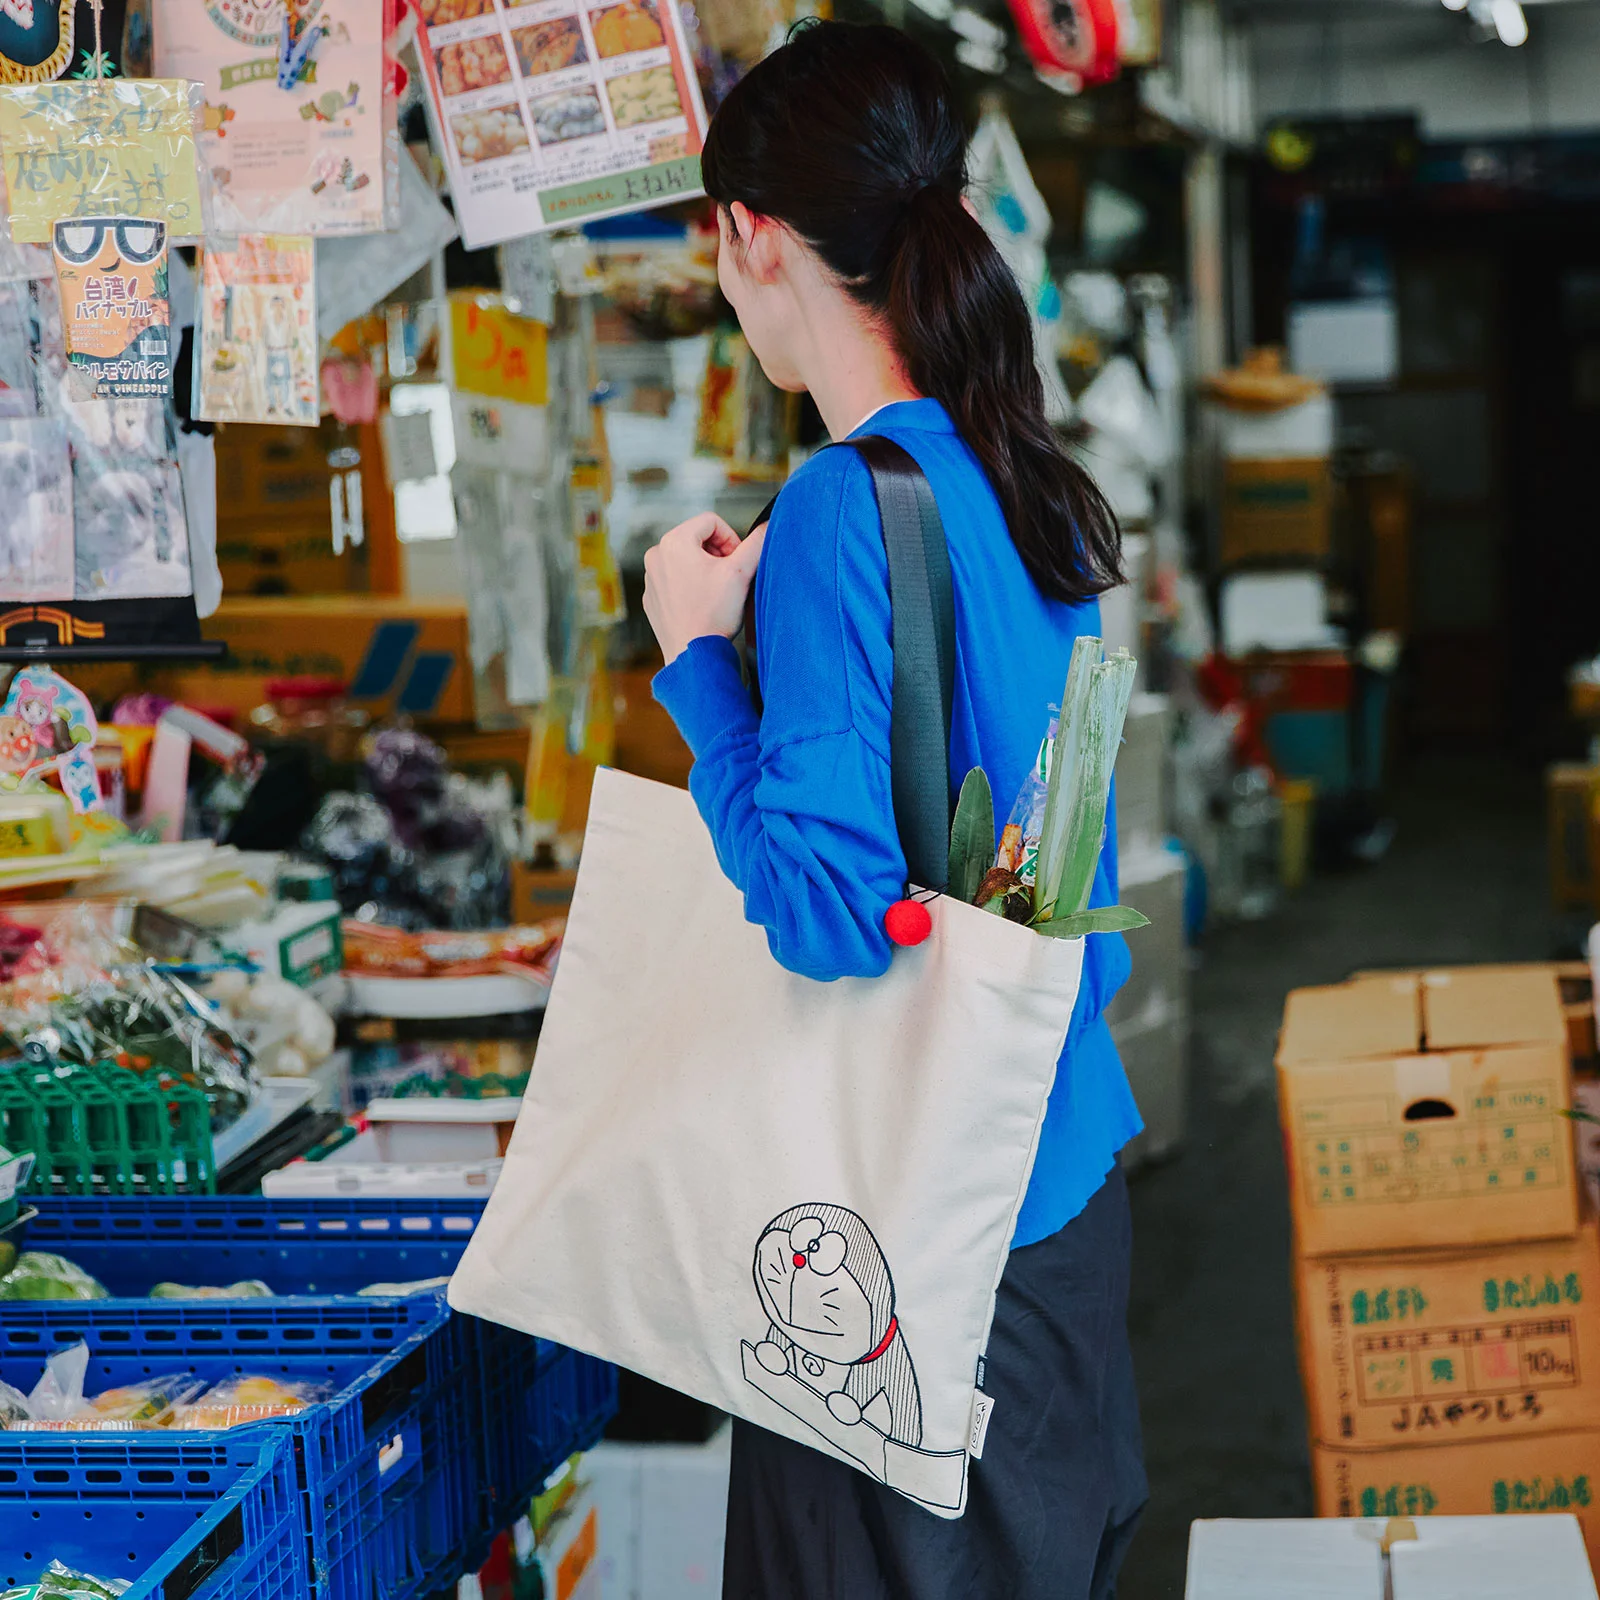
(176, 1516)
(398, 1375)
(322, 1247)
(541, 1402)
(485, 1455)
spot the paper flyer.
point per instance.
(257, 351)
(113, 277)
(117, 148)
(291, 151)
(561, 111)
(36, 540)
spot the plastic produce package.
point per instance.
(61, 1582)
(58, 1404)
(248, 1399)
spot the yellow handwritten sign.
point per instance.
(119, 147)
(497, 353)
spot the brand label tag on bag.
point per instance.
(982, 1410)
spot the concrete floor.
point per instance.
(1465, 881)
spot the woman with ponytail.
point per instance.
(859, 273)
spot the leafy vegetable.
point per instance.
(1103, 919)
(972, 836)
(1093, 708)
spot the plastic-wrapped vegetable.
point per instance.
(39, 1275)
(13, 1408)
(244, 1289)
(248, 1399)
(60, 1582)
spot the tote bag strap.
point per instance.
(923, 611)
(923, 630)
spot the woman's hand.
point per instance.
(696, 581)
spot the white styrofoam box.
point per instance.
(663, 1509)
(1345, 341)
(1290, 433)
(1275, 611)
(1429, 1558)
(441, 1129)
(1156, 1060)
(355, 1169)
(1142, 772)
(1287, 1559)
(1153, 880)
(1492, 1558)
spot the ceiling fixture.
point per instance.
(1509, 22)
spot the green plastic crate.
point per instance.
(106, 1130)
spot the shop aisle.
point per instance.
(1465, 881)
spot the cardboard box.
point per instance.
(1276, 510)
(540, 892)
(1427, 1111)
(286, 555)
(1380, 1558)
(1552, 1472)
(395, 654)
(1443, 1347)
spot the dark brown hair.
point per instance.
(849, 135)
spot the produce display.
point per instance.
(39, 1275)
(59, 1582)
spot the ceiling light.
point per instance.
(1510, 23)
(1455, 5)
(939, 10)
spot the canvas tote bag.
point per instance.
(791, 1199)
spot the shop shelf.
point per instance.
(178, 1517)
(373, 1458)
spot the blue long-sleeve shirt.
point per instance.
(798, 798)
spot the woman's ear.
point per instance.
(761, 241)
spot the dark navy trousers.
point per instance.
(1051, 1506)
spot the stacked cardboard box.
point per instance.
(1447, 1292)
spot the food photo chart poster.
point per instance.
(561, 111)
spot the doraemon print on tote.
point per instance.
(834, 1354)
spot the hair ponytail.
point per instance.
(850, 137)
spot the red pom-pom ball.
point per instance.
(907, 922)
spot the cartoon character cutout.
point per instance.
(35, 703)
(47, 725)
(834, 1354)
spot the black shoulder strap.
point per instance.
(923, 612)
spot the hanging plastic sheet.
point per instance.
(108, 148)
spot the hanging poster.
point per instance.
(560, 112)
(45, 39)
(132, 541)
(118, 324)
(35, 510)
(294, 122)
(258, 331)
(118, 148)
